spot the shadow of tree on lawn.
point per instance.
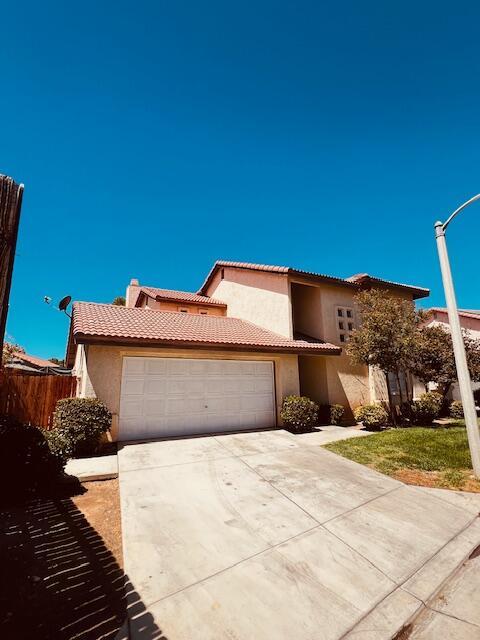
(58, 580)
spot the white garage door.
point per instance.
(177, 396)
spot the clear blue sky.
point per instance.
(155, 137)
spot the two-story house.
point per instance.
(222, 359)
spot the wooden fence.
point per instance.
(31, 399)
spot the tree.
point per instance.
(433, 359)
(57, 361)
(9, 348)
(387, 334)
(119, 301)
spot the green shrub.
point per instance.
(336, 413)
(299, 412)
(79, 424)
(330, 413)
(372, 416)
(424, 410)
(456, 409)
(27, 465)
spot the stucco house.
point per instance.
(25, 363)
(470, 323)
(222, 359)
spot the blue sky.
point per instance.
(156, 137)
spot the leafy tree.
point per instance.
(433, 359)
(9, 348)
(393, 337)
(57, 361)
(387, 334)
(119, 301)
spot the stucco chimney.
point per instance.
(133, 290)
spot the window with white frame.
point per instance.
(345, 319)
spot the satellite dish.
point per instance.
(64, 302)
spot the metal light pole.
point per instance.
(463, 374)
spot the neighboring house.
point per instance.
(470, 323)
(25, 363)
(176, 363)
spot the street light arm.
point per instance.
(457, 211)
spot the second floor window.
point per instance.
(345, 320)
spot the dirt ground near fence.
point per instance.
(61, 564)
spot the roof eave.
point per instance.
(81, 338)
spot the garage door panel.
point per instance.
(133, 366)
(155, 366)
(256, 403)
(263, 420)
(173, 396)
(133, 386)
(185, 386)
(131, 408)
(214, 386)
(154, 386)
(215, 367)
(174, 406)
(262, 383)
(177, 367)
(154, 407)
(262, 368)
(198, 367)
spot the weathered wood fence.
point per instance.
(31, 399)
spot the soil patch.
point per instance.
(60, 575)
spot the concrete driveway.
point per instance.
(268, 536)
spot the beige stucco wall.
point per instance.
(166, 305)
(259, 297)
(104, 367)
(333, 379)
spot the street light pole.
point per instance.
(463, 374)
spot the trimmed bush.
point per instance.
(330, 413)
(424, 410)
(336, 413)
(456, 409)
(27, 465)
(372, 416)
(79, 424)
(299, 412)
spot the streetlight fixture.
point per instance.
(463, 374)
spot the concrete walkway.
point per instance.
(268, 536)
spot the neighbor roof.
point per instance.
(356, 281)
(37, 362)
(179, 296)
(466, 313)
(93, 322)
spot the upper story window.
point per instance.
(345, 320)
(183, 309)
(203, 312)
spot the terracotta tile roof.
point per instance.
(38, 362)
(466, 313)
(93, 322)
(270, 268)
(357, 281)
(366, 279)
(180, 296)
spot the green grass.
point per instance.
(439, 449)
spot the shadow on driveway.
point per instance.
(58, 580)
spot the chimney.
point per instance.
(133, 290)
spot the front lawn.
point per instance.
(432, 457)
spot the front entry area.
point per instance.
(163, 397)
